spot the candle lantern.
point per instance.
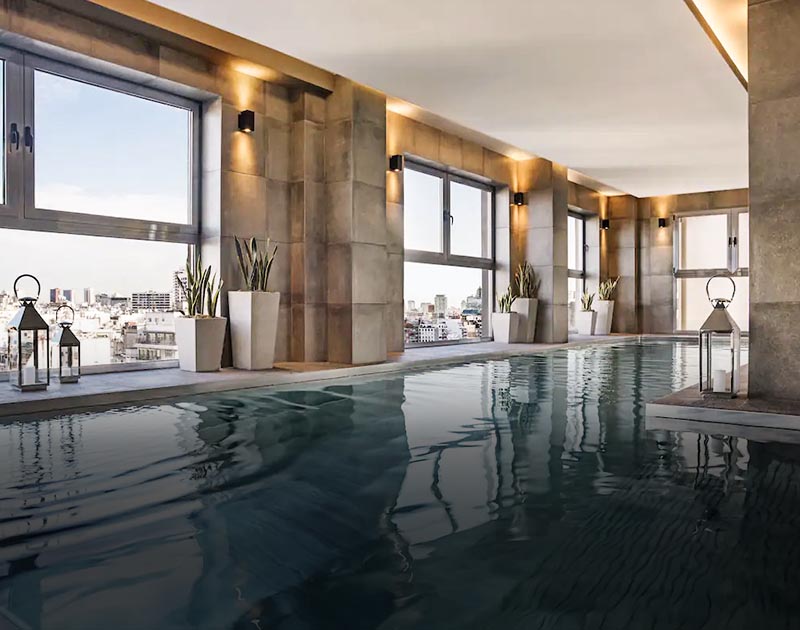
(715, 378)
(28, 344)
(69, 348)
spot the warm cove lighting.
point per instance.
(727, 21)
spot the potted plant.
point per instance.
(253, 313)
(586, 317)
(200, 335)
(605, 306)
(526, 305)
(505, 323)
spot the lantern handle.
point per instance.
(27, 275)
(720, 301)
(70, 308)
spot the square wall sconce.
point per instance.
(662, 222)
(519, 199)
(605, 224)
(396, 163)
(247, 121)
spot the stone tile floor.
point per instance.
(135, 386)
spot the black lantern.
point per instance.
(715, 380)
(28, 344)
(69, 349)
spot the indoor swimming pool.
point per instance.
(511, 494)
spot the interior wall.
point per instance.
(245, 188)
(774, 93)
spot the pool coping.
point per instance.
(123, 388)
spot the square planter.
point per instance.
(527, 309)
(200, 342)
(605, 313)
(505, 327)
(254, 328)
(585, 321)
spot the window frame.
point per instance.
(579, 274)
(733, 269)
(445, 257)
(21, 213)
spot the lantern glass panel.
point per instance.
(33, 357)
(13, 357)
(70, 362)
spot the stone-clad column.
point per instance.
(308, 228)
(774, 91)
(543, 243)
(621, 244)
(355, 149)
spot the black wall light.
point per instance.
(247, 121)
(519, 199)
(662, 222)
(396, 163)
(605, 224)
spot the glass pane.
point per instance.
(121, 313)
(103, 152)
(575, 243)
(694, 307)
(444, 303)
(3, 135)
(470, 208)
(422, 206)
(744, 240)
(574, 292)
(704, 242)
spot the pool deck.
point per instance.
(687, 410)
(119, 388)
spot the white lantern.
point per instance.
(720, 378)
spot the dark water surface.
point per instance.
(523, 493)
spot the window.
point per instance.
(716, 243)
(448, 253)
(576, 262)
(99, 181)
(92, 154)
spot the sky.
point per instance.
(105, 153)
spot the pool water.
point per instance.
(520, 493)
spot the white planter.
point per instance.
(585, 321)
(505, 327)
(605, 313)
(526, 308)
(200, 343)
(254, 328)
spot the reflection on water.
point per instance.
(523, 493)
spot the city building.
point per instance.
(151, 301)
(56, 296)
(178, 293)
(440, 305)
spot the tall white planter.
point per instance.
(605, 314)
(505, 327)
(254, 328)
(200, 342)
(527, 309)
(585, 321)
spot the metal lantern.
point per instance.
(715, 380)
(28, 344)
(69, 349)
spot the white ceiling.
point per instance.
(629, 92)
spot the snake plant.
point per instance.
(586, 301)
(254, 265)
(505, 301)
(201, 289)
(527, 284)
(606, 289)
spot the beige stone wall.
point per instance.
(774, 91)
(246, 178)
